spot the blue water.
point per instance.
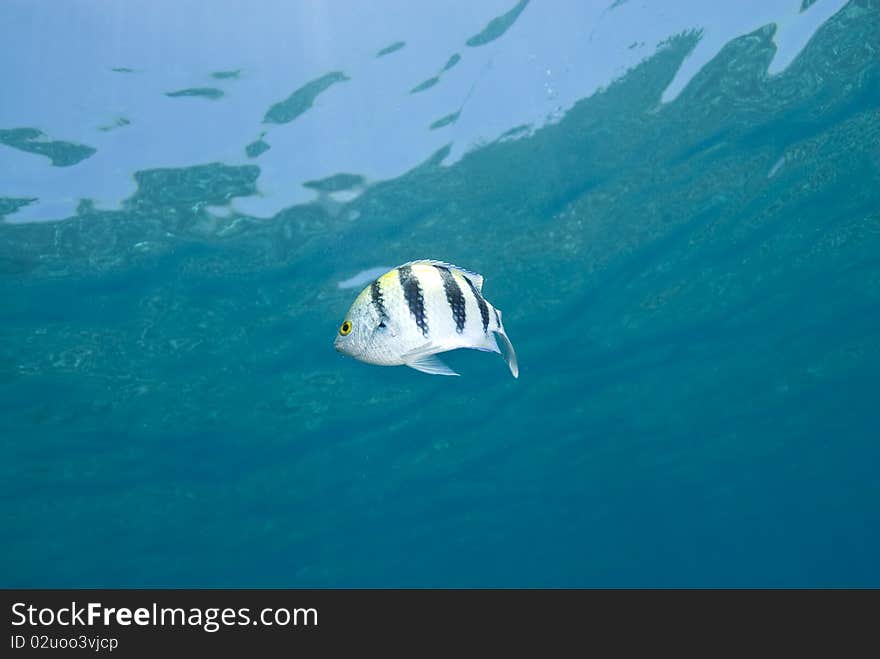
(693, 290)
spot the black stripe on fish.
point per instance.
(484, 308)
(415, 300)
(497, 317)
(378, 300)
(454, 297)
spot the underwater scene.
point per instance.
(675, 205)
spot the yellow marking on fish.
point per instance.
(459, 278)
(388, 277)
(363, 297)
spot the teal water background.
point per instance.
(693, 290)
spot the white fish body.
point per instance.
(417, 310)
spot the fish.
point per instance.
(418, 310)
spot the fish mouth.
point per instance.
(340, 347)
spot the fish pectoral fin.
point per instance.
(386, 325)
(428, 363)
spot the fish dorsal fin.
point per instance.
(475, 277)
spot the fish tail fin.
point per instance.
(508, 352)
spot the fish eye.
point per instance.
(345, 328)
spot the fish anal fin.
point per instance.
(430, 364)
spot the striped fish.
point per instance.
(417, 310)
